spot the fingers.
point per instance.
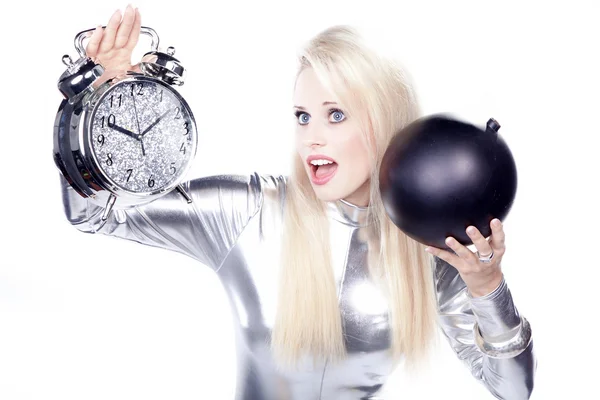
(450, 258)
(459, 249)
(125, 27)
(110, 32)
(482, 245)
(92, 47)
(497, 241)
(135, 31)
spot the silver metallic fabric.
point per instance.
(233, 226)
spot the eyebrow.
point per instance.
(325, 103)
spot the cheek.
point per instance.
(298, 144)
(355, 156)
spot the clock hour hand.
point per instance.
(125, 131)
(152, 125)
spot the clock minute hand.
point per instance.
(152, 125)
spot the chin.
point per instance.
(326, 196)
(353, 194)
(338, 188)
(330, 193)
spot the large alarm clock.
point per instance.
(129, 140)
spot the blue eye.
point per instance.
(338, 115)
(302, 117)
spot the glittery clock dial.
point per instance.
(142, 135)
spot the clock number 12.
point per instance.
(139, 93)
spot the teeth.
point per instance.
(320, 162)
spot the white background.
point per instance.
(93, 317)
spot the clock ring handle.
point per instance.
(85, 34)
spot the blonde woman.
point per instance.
(329, 296)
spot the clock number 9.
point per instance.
(151, 181)
(101, 139)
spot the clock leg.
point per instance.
(109, 205)
(181, 190)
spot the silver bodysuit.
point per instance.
(233, 226)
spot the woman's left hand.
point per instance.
(480, 277)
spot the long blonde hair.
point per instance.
(377, 92)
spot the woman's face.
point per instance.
(325, 132)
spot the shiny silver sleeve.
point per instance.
(487, 333)
(205, 229)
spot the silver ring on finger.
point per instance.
(486, 259)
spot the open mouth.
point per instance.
(321, 174)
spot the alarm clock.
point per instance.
(129, 140)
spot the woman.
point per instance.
(329, 296)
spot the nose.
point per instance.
(314, 136)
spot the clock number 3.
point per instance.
(187, 130)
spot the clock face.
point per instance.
(142, 135)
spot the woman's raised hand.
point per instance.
(112, 47)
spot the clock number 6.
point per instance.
(151, 182)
